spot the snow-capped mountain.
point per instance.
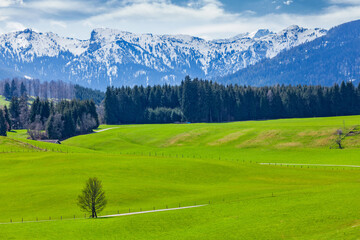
(330, 59)
(113, 57)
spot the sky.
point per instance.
(209, 19)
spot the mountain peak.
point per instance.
(293, 28)
(27, 30)
(260, 33)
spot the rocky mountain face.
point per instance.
(116, 58)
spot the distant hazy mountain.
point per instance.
(330, 59)
(112, 57)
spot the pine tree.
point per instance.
(110, 104)
(23, 90)
(13, 89)
(189, 99)
(14, 110)
(34, 110)
(7, 118)
(3, 126)
(7, 92)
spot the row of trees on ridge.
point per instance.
(205, 101)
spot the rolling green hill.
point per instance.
(147, 166)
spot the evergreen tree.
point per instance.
(110, 103)
(24, 112)
(3, 126)
(7, 91)
(7, 118)
(55, 127)
(13, 89)
(189, 99)
(23, 90)
(14, 110)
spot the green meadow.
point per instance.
(220, 166)
(3, 101)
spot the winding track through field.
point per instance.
(305, 164)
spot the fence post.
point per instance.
(22, 219)
(10, 220)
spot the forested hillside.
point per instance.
(330, 59)
(55, 90)
(205, 101)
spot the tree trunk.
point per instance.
(93, 213)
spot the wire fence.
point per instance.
(109, 213)
(199, 156)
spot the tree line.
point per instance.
(48, 120)
(55, 90)
(205, 101)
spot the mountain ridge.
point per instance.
(329, 59)
(115, 57)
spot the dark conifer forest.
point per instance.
(205, 101)
(193, 101)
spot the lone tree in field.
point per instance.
(338, 140)
(92, 199)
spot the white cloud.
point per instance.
(58, 23)
(208, 19)
(203, 18)
(7, 3)
(14, 26)
(54, 6)
(353, 2)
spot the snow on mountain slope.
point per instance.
(113, 57)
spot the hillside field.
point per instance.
(225, 167)
(3, 101)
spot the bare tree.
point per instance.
(92, 199)
(339, 134)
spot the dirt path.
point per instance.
(150, 211)
(305, 164)
(103, 130)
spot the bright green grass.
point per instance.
(146, 166)
(3, 101)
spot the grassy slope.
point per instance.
(184, 167)
(3, 101)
